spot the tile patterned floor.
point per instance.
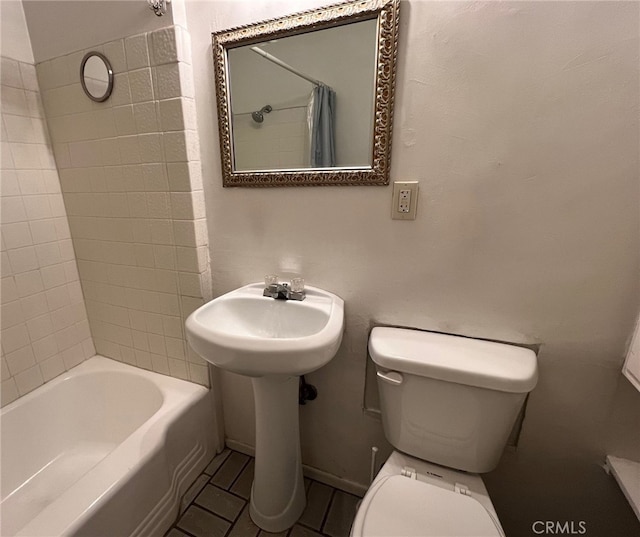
(217, 505)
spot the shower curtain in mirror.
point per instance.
(321, 127)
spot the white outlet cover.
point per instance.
(404, 213)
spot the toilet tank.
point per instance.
(447, 399)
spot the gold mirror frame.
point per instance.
(387, 14)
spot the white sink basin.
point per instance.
(253, 335)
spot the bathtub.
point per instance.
(104, 450)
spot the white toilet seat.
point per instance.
(400, 506)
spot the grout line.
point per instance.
(298, 523)
(228, 532)
(180, 529)
(217, 514)
(219, 467)
(183, 531)
(238, 476)
(326, 514)
(246, 500)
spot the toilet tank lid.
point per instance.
(485, 364)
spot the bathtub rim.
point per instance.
(98, 363)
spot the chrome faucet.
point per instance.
(283, 291)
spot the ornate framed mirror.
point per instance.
(307, 99)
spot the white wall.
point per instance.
(520, 120)
(59, 27)
(15, 43)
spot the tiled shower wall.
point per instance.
(130, 174)
(280, 141)
(44, 321)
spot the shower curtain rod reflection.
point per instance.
(273, 109)
(286, 66)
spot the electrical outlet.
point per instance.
(405, 200)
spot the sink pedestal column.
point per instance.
(277, 495)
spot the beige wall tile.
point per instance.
(29, 380)
(137, 52)
(128, 211)
(141, 85)
(39, 275)
(172, 114)
(19, 359)
(124, 120)
(10, 73)
(115, 51)
(9, 391)
(145, 117)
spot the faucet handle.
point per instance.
(271, 286)
(296, 291)
(297, 285)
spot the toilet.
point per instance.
(448, 406)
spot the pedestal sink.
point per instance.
(273, 342)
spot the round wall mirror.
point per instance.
(96, 76)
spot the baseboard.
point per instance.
(627, 475)
(241, 447)
(334, 481)
(309, 471)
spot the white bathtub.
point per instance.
(104, 450)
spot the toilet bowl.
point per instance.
(411, 497)
(448, 405)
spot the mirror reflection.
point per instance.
(96, 76)
(305, 101)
